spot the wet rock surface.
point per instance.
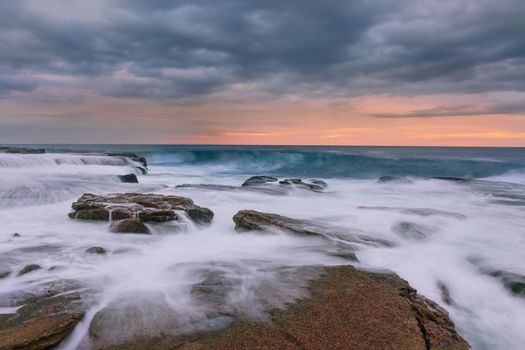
(249, 220)
(142, 207)
(129, 226)
(96, 250)
(412, 231)
(346, 309)
(311, 184)
(43, 319)
(128, 178)
(513, 282)
(29, 268)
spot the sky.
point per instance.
(309, 72)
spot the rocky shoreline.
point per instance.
(342, 307)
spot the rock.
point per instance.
(314, 185)
(346, 309)
(16, 235)
(445, 293)
(273, 182)
(449, 178)
(145, 207)
(41, 323)
(22, 150)
(200, 215)
(259, 180)
(128, 178)
(129, 226)
(248, 220)
(29, 268)
(95, 250)
(396, 179)
(4, 274)
(411, 231)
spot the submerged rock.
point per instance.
(128, 178)
(96, 250)
(513, 282)
(396, 179)
(129, 226)
(412, 231)
(29, 268)
(4, 274)
(143, 207)
(346, 309)
(248, 220)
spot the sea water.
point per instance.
(469, 228)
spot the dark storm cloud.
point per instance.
(513, 108)
(183, 49)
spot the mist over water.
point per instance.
(444, 232)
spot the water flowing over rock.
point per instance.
(143, 207)
(346, 309)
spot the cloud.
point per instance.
(507, 108)
(189, 50)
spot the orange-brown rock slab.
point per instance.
(347, 309)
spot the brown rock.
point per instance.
(129, 226)
(40, 324)
(247, 220)
(347, 309)
(145, 207)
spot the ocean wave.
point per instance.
(333, 163)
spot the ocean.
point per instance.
(455, 217)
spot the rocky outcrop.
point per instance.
(128, 178)
(346, 309)
(248, 220)
(311, 184)
(143, 207)
(43, 320)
